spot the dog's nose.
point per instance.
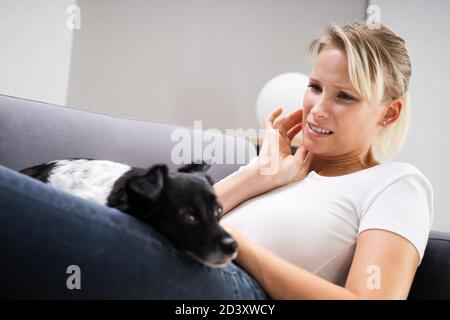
(228, 245)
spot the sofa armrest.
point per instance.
(432, 280)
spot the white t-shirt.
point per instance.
(314, 223)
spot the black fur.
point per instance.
(181, 205)
(40, 172)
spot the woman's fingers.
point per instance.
(290, 120)
(301, 154)
(304, 157)
(286, 123)
(294, 131)
(271, 117)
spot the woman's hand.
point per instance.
(275, 165)
(275, 158)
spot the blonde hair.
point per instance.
(378, 62)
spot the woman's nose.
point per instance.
(319, 110)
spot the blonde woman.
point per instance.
(331, 222)
(337, 223)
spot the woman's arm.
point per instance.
(246, 180)
(393, 258)
(241, 185)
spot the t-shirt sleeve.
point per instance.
(404, 207)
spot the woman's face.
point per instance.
(331, 103)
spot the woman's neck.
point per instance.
(343, 164)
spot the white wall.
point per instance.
(425, 26)
(181, 61)
(35, 50)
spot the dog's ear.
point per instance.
(202, 167)
(210, 180)
(149, 185)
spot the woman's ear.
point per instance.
(392, 112)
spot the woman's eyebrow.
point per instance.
(335, 85)
(344, 87)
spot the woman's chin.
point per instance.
(315, 147)
(311, 146)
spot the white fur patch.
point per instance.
(89, 179)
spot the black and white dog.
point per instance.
(181, 205)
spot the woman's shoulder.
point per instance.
(399, 172)
(399, 169)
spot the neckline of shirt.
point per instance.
(313, 174)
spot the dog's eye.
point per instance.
(188, 216)
(219, 211)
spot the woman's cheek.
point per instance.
(352, 132)
(305, 115)
(308, 103)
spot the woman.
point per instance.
(343, 226)
(336, 223)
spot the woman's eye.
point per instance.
(345, 96)
(314, 87)
(341, 95)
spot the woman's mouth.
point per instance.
(318, 132)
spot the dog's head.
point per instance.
(183, 207)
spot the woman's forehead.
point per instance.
(331, 67)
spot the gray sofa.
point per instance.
(33, 132)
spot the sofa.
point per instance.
(33, 132)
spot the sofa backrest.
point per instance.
(34, 132)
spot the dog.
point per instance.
(181, 205)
